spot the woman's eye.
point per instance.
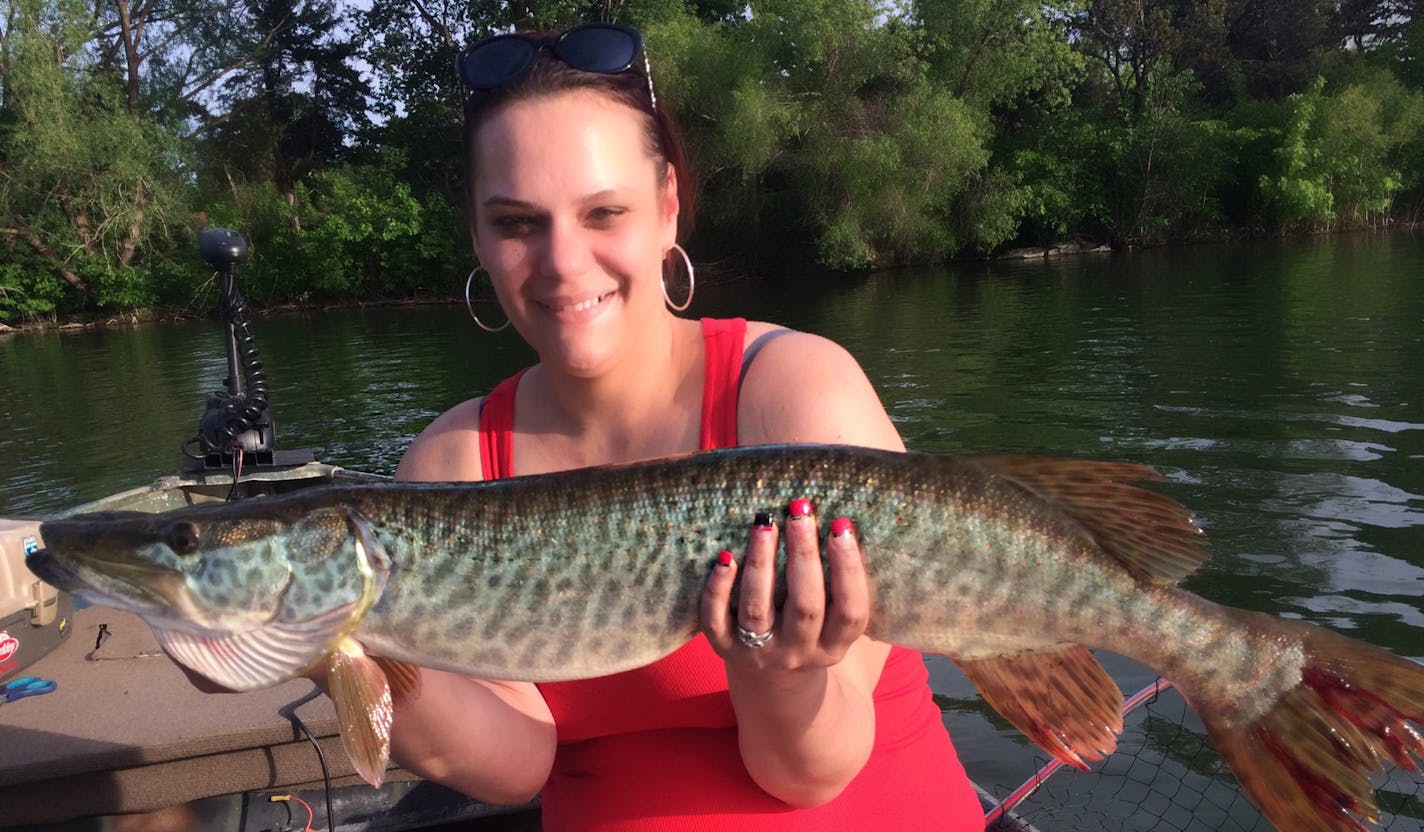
(514, 224)
(605, 215)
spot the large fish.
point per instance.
(1012, 566)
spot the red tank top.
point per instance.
(655, 749)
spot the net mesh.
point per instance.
(1166, 777)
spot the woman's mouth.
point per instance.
(575, 309)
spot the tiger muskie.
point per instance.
(1012, 566)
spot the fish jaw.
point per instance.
(245, 599)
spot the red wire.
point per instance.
(310, 815)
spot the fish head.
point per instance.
(184, 568)
(213, 579)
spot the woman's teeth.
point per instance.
(579, 307)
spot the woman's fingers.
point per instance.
(756, 606)
(848, 612)
(803, 611)
(744, 616)
(717, 602)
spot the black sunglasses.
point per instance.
(605, 48)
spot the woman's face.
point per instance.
(572, 221)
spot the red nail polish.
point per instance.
(800, 507)
(724, 558)
(841, 526)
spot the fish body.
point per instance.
(1012, 566)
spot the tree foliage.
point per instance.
(824, 133)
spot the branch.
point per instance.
(129, 244)
(219, 74)
(438, 25)
(24, 233)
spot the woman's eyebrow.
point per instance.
(606, 193)
(510, 202)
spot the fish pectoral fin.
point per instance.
(362, 697)
(404, 680)
(1060, 698)
(259, 658)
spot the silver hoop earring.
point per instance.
(691, 281)
(481, 324)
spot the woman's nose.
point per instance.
(566, 248)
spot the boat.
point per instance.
(124, 741)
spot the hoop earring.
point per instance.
(481, 324)
(691, 281)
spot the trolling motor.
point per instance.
(237, 425)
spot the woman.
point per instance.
(782, 716)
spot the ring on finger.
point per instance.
(753, 640)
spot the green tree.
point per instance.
(293, 107)
(1299, 190)
(993, 53)
(88, 177)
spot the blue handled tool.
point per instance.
(25, 686)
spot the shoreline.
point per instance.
(1054, 251)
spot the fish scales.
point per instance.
(1009, 565)
(960, 563)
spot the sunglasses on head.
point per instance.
(605, 48)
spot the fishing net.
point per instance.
(1166, 777)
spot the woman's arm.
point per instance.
(804, 702)
(494, 741)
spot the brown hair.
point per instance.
(548, 76)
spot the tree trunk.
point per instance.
(129, 36)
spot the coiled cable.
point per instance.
(229, 416)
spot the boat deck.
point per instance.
(124, 731)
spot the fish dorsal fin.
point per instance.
(1060, 698)
(257, 658)
(1150, 534)
(361, 695)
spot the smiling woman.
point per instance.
(782, 715)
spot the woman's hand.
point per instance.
(800, 673)
(810, 629)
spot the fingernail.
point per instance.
(762, 520)
(799, 507)
(724, 558)
(841, 526)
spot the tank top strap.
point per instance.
(722, 345)
(497, 429)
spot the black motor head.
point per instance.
(222, 247)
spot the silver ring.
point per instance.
(753, 640)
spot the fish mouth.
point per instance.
(79, 558)
(52, 571)
(139, 587)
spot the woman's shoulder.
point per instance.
(781, 348)
(803, 387)
(448, 450)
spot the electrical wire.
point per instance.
(290, 712)
(236, 472)
(283, 798)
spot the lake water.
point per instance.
(1279, 386)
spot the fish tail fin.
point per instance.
(1307, 760)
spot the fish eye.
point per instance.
(183, 538)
